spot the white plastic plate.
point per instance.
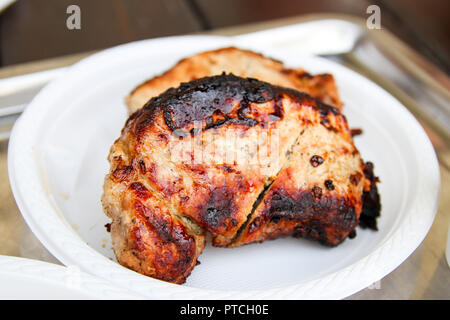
(57, 163)
(36, 280)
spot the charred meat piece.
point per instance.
(237, 159)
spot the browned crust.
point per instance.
(243, 63)
(152, 241)
(173, 72)
(219, 100)
(302, 213)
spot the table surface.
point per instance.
(424, 275)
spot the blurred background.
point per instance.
(35, 29)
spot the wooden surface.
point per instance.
(36, 29)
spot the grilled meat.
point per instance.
(241, 63)
(236, 159)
